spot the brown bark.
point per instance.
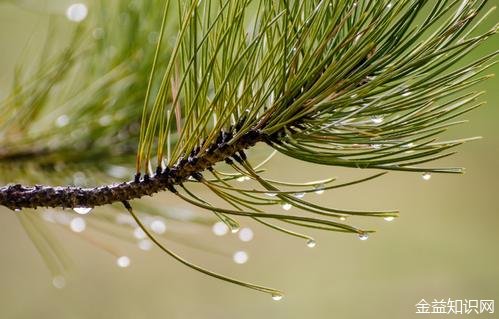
(18, 196)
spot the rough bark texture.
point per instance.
(17, 196)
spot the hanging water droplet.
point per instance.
(271, 194)
(377, 119)
(389, 218)
(219, 228)
(426, 176)
(363, 236)
(277, 296)
(139, 233)
(77, 12)
(82, 210)
(145, 244)
(246, 234)
(299, 195)
(158, 226)
(62, 120)
(77, 224)
(123, 261)
(59, 282)
(234, 229)
(311, 243)
(286, 206)
(240, 257)
(319, 189)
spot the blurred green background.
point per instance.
(443, 246)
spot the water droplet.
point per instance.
(409, 145)
(246, 234)
(105, 120)
(363, 236)
(59, 282)
(77, 224)
(77, 12)
(17, 209)
(389, 218)
(376, 146)
(82, 210)
(286, 206)
(319, 189)
(240, 257)
(426, 176)
(406, 93)
(158, 226)
(271, 194)
(299, 195)
(377, 119)
(62, 120)
(139, 233)
(389, 5)
(219, 228)
(277, 297)
(246, 178)
(343, 218)
(240, 179)
(123, 261)
(311, 243)
(145, 244)
(234, 229)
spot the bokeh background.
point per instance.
(443, 246)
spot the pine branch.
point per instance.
(360, 84)
(17, 197)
